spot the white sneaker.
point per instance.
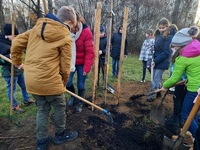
(142, 81)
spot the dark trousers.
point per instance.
(179, 95)
(101, 67)
(197, 140)
(144, 67)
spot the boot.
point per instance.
(72, 98)
(79, 106)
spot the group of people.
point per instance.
(179, 50)
(56, 47)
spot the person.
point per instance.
(102, 51)
(146, 52)
(188, 61)
(196, 145)
(47, 68)
(162, 54)
(174, 123)
(5, 44)
(84, 61)
(116, 50)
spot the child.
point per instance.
(102, 51)
(146, 52)
(162, 54)
(47, 68)
(5, 44)
(188, 60)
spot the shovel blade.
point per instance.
(157, 114)
(110, 89)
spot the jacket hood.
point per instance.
(192, 49)
(51, 28)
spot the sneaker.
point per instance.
(71, 101)
(44, 143)
(29, 102)
(79, 107)
(65, 137)
(18, 110)
(142, 81)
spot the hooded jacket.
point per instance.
(5, 45)
(188, 61)
(116, 45)
(163, 52)
(48, 56)
(85, 49)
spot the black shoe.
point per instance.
(71, 101)
(158, 94)
(150, 99)
(44, 143)
(65, 137)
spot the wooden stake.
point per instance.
(96, 48)
(122, 53)
(45, 7)
(12, 66)
(108, 52)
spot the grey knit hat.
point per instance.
(184, 36)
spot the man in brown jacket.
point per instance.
(47, 66)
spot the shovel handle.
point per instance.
(84, 100)
(191, 116)
(5, 58)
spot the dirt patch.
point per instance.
(131, 129)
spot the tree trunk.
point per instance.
(2, 18)
(175, 12)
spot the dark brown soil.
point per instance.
(132, 129)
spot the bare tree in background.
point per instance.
(2, 22)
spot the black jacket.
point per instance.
(116, 45)
(5, 45)
(102, 46)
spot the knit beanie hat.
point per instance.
(102, 29)
(8, 30)
(185, 36)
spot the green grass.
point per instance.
(131, 71)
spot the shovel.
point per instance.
(95, 106)
(157, 112)
(186, 126)
(176, 145)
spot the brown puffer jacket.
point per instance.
(47, 61)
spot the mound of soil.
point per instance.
(131, 130)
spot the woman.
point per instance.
(84, 60)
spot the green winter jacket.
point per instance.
(188, 61)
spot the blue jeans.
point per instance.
(80, 78)
(186, 109)
(157, 78)
(20, 81)
(115, 66)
